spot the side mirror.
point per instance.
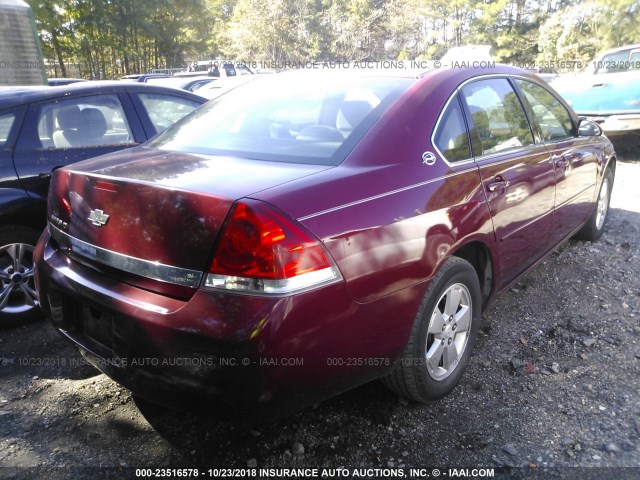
(587, 128)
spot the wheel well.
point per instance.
(478, 255)
(31, 216)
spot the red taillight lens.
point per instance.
(258, 242)
(67, 205)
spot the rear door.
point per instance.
(517, 175)
(573, 158)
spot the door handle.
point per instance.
(498, 184)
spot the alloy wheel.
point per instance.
(17, 288)
(603, 204)
(449, 331)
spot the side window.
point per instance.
(497, 115)
(613, 62)
(165, 110)
(84, 122)
(451, 137)
(6, 122)
(552, 117)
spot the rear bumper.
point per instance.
(253, 356)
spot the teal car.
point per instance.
(608, 92)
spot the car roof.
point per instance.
(620, 49)
(214, 89)
(65, 80)
(181, 81)
(20, 95)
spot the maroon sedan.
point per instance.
(308, 233)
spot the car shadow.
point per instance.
(214, 441)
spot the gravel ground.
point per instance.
(551, 388)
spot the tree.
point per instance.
(54, 21)
(109, 38)
(277, 31)
(570, 35)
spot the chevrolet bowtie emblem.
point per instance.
(98, 217)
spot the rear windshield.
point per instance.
(303, 118)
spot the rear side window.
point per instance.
(552, 117)
(165, 110)
(6, 122)
(83, 122)
(451, 137)
(497, 115)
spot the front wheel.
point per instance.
(594, 228)
(18, 299)
(442, 337)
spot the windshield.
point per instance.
(290, 118)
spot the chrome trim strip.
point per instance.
(137, 266)
(488, 160)
(286, 286)
(386, 194)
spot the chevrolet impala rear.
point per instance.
(305, 234)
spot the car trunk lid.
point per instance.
(155, 215)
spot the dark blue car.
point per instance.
(44, 128)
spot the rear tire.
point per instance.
(594, 228)
(443, 335)
(19, 303)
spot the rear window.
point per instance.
(451, 136)
(165, 110)
(83, 122)
(289, 118)
(6, 122)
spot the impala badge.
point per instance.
(98, 217)
(428, 158)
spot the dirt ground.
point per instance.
(552, 388)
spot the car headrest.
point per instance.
(68, 117)
(354, 111)
(92, 123)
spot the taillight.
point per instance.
(263, 251)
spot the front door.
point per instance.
(573, 157)
(517, 174)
